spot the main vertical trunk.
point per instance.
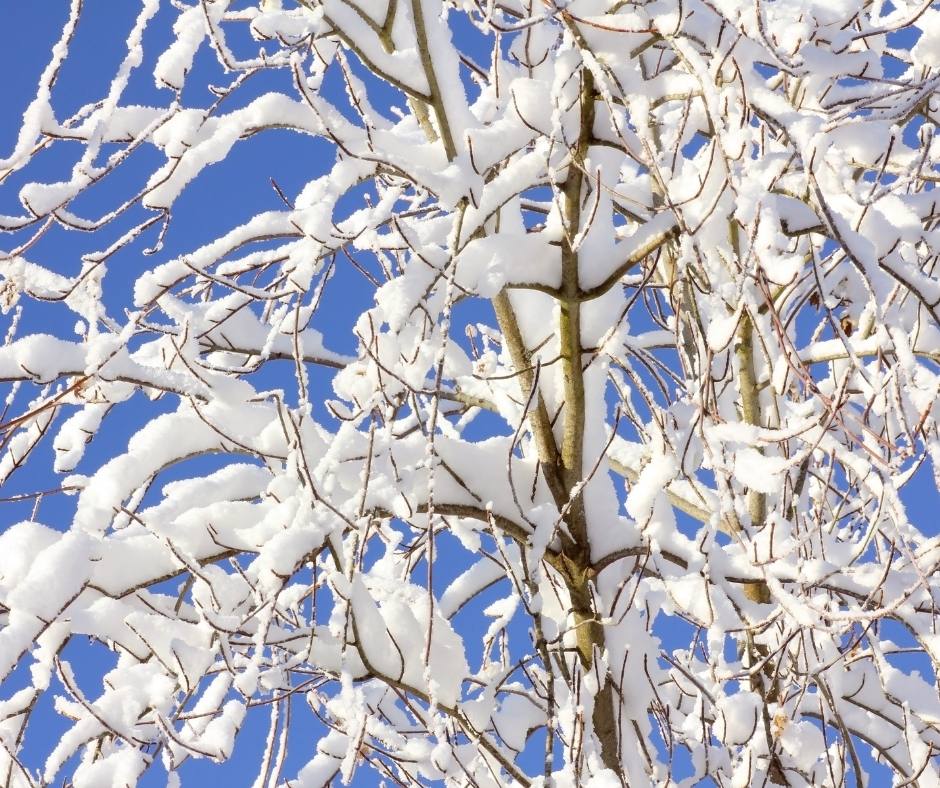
(589, 629)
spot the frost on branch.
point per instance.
(611, 490)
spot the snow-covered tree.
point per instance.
(652, 347)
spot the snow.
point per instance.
(55, 577)
(488, 264)
(759, 472)
(194, 141)
(652, 481)
(738, 717)
(20, 546)
(480, 575)
(927, 49)
(219, 735)
(123, 766)
(175, 62)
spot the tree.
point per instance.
(651, 350)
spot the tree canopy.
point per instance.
(650, 349)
